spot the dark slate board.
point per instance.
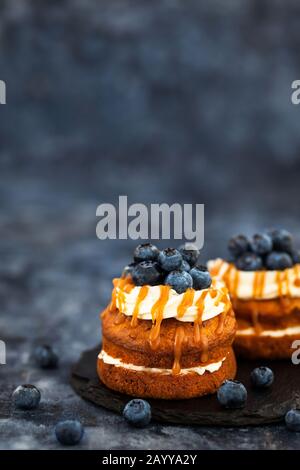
(263, 407)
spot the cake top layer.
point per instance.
(149, 302)
(260, 284)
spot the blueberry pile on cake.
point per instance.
(168, 330)
(263, 279)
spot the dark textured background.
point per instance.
(164, 101)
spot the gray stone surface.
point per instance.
(162, 101)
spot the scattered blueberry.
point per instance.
(45, 357)
(282, 240)
(26, 397)
(201, 277)
(262, 377)
(137, 412)
(179, 281)
(170, 259)
(146, 273)
(292, 420)
(261, 244)
(295, 254)
(232, 394)
(249, 262)
(146, 252)
(277, 260)
(238, 245)
(69, 432)
(185, 266)
(127, 271)
(189, 253)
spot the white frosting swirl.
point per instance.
(290, 331)
(200, 370)
(246, 279)
(211, 308)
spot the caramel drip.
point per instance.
(297, 275)
(187, 301)
(157, 313)
(120, 318)
(279, 283)
(259, 284)
(255, 319)
(227, 306)
(141, 296)
(215, 271)
(179, 340)
(199, 335)
(287, 285)
(125, 284)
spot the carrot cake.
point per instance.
(168, 330)
(263, 278)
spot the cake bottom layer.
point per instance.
(266, 344)
(161, 383)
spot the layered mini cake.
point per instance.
(263, 279)
(168, 330)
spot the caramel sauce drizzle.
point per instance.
(157, 312)
(179, 340)
(199, 335)
(227, 306)
(187, 301)
(297, 275)
(141, 296)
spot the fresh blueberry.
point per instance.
(179, 281)
(185, 266)
(278, 261)
(146, 273)
(238, 245)
(261, 244)
(249, 262)
(292, 420)
(282, 240)
(295, 254)
(26, 397)
(145, 252)
(189, 253)
(137, 412)
(127, 271)
(201, 277)
(232, 394)
(170, 259)
(262, 377)
(69, 432)
(45, 357)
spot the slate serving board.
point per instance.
(263, 407)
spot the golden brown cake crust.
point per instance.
(137, 338)
(264, 347)
(153, 385)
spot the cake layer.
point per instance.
(274, 308)
(255, 346)
(149, 384)
(158, 359)
(147, 338)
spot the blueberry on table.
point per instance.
(262, 377)
(201, 277)
(249, 262)
(282, 240)
(277, 260)
(179, 281)
(146, 273)
(137, 412)
(69, 432)
(45, 357)
(189, 253)
(232, 394)
(261, 243)
(170, 259)
(238, 245)
(292, 420)
(26, 397)
(146, 252)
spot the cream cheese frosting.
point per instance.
(200, 370)
(275, 283)
(290, 331)
(211, 306)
